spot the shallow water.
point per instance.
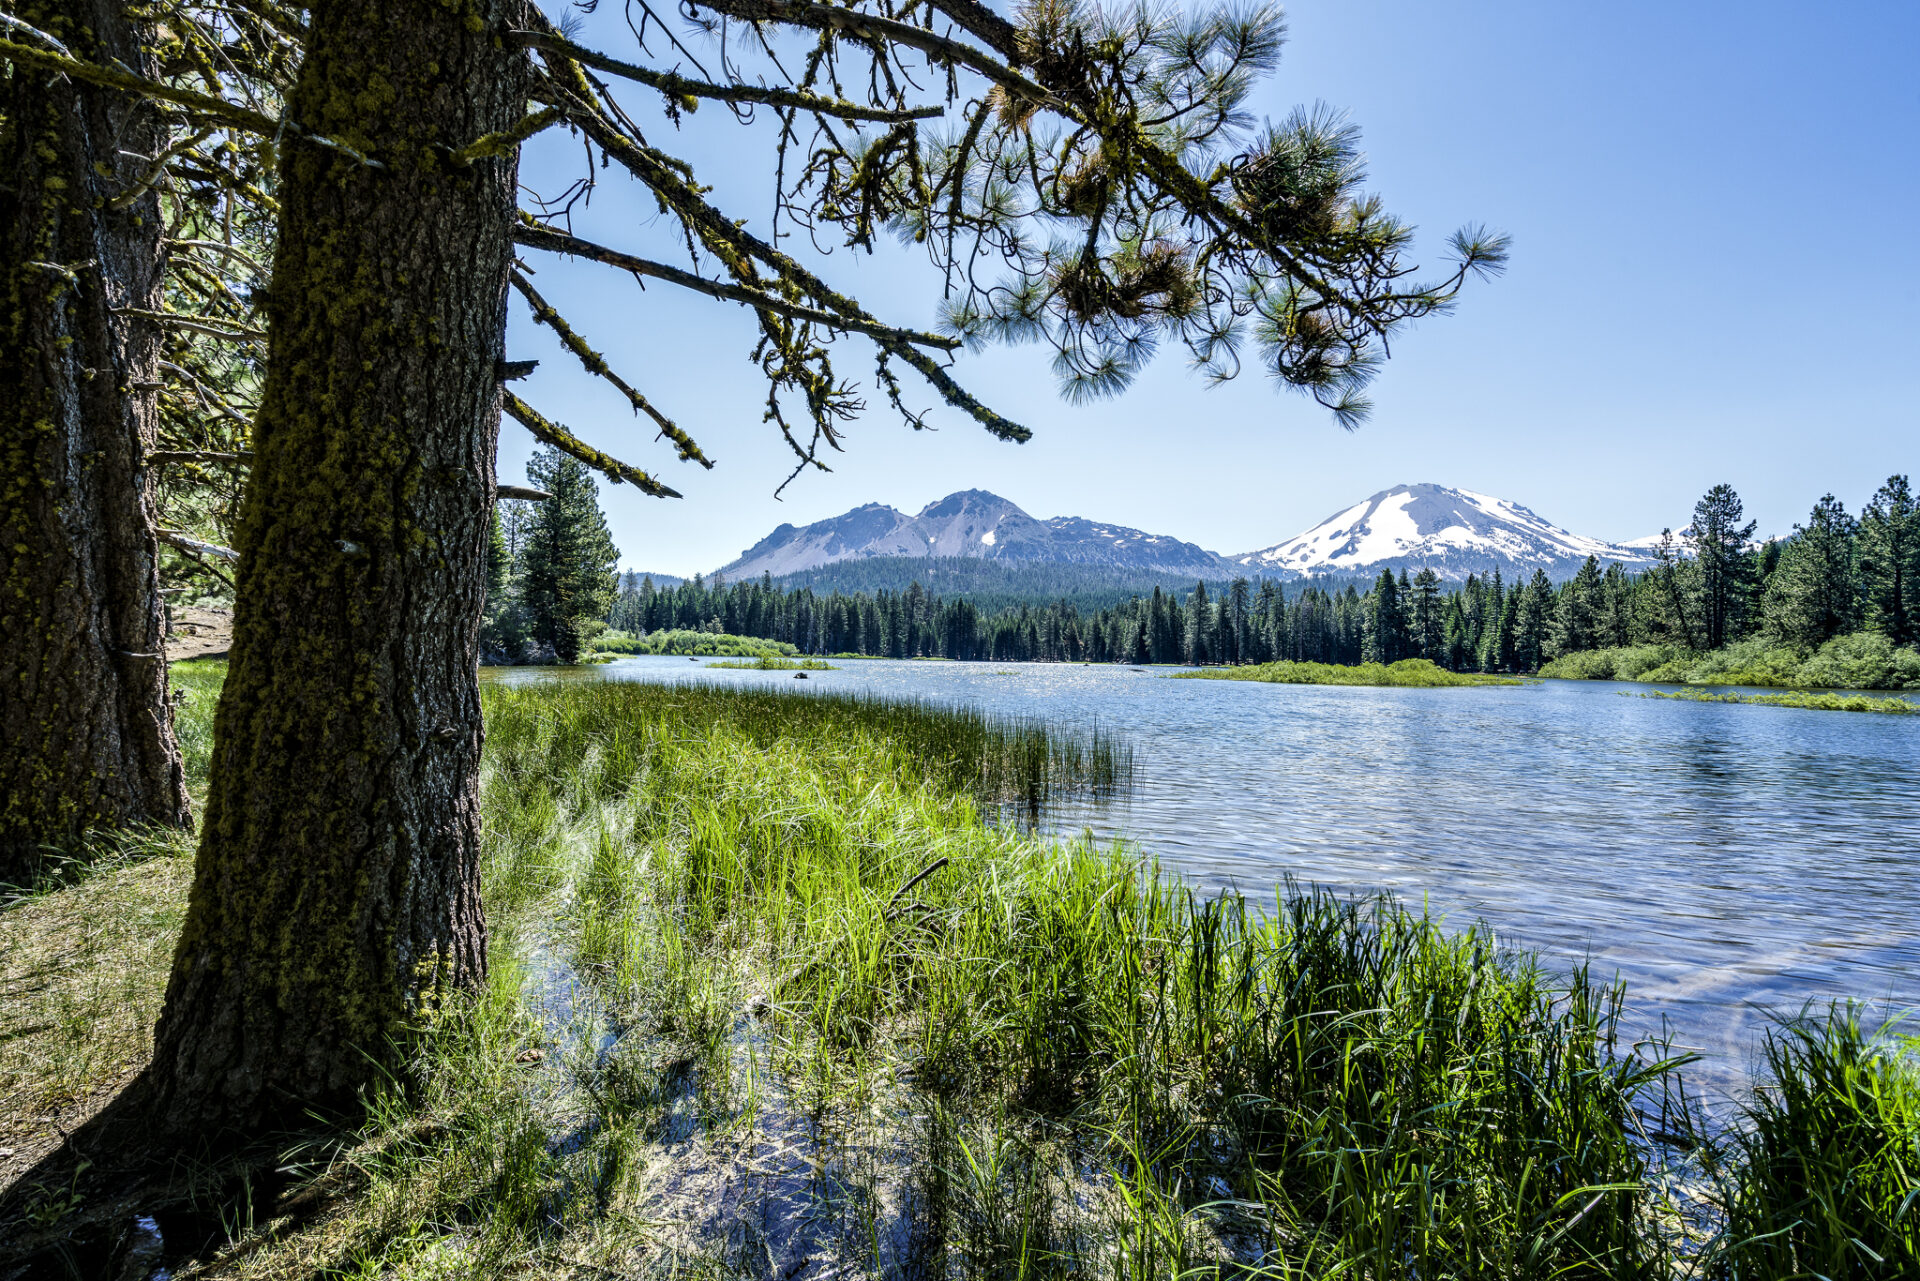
(1724, 860)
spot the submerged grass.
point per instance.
(1817, 702)
(1417, 672)
(769, 997)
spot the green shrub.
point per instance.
(1864, 660)
(615, 641)
(711, 645)
(1622, 663)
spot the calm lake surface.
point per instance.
(1724, 860)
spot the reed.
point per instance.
(1823, 1180)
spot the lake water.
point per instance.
(1724, 860)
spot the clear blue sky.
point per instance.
(1714, 278)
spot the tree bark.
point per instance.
(336, 897)
(86, 731)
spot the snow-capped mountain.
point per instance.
(1455, 531)
(975, 524)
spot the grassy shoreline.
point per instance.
(760, 959)
(1415, 673)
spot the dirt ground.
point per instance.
(199, 633)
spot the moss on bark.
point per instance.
(335, 896)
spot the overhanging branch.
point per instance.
(538, 237)
(595, 363)
(551, 433)
(681, 87)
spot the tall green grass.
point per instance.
(1823, 1180)
(732, 929)
(1128, 1075)
(598, 736)
(1416, 672)
(771, 664)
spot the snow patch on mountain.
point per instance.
(1456, 532)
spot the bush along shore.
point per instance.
(1862, 660)
(693, 644)
(1413, 672)
(770, 996)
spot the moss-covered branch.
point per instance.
(594, 363)
(552, 433)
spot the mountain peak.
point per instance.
(971, 523)
(1456, 532)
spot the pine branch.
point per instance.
(194, 547)
(680, 87)
(196, 324)
(685, 200)
(551, 433)
(595, 363)
(535, 236)
(822, 17)
(218, 109)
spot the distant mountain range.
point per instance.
(972, 523)
(1455, 531)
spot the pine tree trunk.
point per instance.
(86, 732)
(336, 895)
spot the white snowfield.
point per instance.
(1456, 531)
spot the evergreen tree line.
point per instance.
(1710, 586)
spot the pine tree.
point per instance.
(1199, 625)
(570, 555)
(1385, 627)
(1614, 621)
(1530, 622)
(1667, 600)
(1814, 592)
(1723, 570)
(1890, 562)
(1571, 628)
(1427, 632)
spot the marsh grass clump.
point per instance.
(1408, 672)
(1823, 1179)
(806, 919)
(771, 664)
(997, 760)
(1819, 702)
